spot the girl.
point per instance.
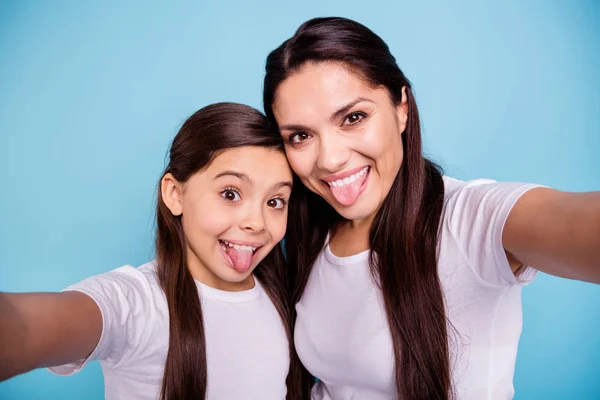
(407, 283)
(206, 319)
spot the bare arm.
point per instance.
(555, 232)
(46, 329)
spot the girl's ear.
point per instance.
(171, 191)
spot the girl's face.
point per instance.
(342, 136)
(233, 213)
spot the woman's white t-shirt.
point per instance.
(342, 335)
(246, 344)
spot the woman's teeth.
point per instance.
(348, 180)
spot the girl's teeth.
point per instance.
(239, 246)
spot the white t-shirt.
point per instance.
(246, 344)
(342, 335)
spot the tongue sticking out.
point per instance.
(348, 194)
(241, 258)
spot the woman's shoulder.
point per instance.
(482, 194)
(453, 186)
(472, 223)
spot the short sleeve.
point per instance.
(124, 298)
(475, 213)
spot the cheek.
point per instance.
(277, 225)
(385, 147)
(300, 162)
(390, 155)
(205, 218)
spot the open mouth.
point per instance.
(347, 190)
(239, 256)
(340, 183)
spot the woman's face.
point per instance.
(342, 136)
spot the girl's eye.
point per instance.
(354, 118)
(298, 137)
(276, 203)
(231, 194)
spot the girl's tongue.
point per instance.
(241, 258)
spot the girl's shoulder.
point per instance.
(134, 317)
(145, 274)
(123, 285)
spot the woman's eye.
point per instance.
(276, 203)
(353, 118)
(298, 137)
(231, 195)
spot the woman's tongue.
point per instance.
(348, 194)
(241, 258)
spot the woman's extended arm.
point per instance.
(555, 232)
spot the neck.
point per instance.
(358, 228)
(350, 237)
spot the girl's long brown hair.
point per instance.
(404, 234)
(206, 133)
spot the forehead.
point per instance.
(321, 88)
(261, 164)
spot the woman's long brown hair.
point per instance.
(404, 234)
(206, 133)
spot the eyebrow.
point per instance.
(280, 185)
(239, 175)
(342, 111)
(334, 116)
(244, 177)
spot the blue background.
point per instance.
(92, 93)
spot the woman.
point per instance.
(407, 283)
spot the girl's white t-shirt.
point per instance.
(342, 335)
(246, 345)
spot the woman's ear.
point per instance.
(171, 191)
(402, 110)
